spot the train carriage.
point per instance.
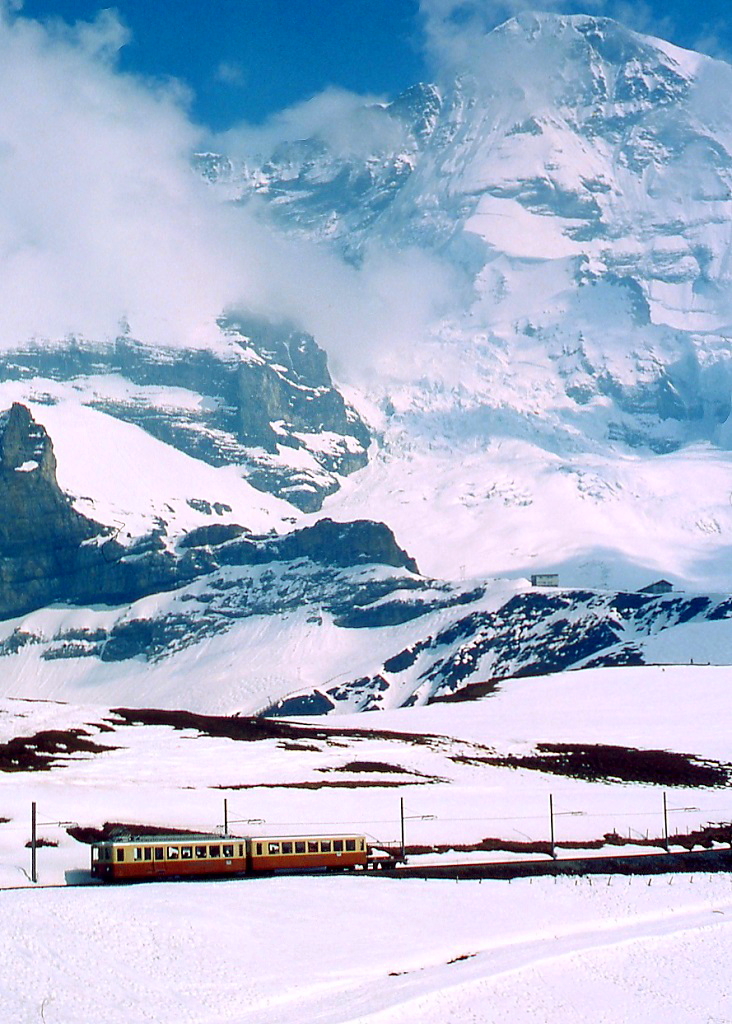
(170, 856)
(308, 853)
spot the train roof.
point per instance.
(217, 837)
(169, 837)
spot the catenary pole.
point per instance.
(401, 809)
(551, 824)
(34, 873)
(665, 822)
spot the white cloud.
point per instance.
(350, 124)
(100, 216)
(103, 221)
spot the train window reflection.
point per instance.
(173, 853)
(273, 847)
(200, 851)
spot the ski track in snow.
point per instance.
(371, 951)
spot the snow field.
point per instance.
(360, 949)
(159, 776)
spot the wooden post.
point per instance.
(401, 807)
(665, 822)
(551, 825)
(34, 872)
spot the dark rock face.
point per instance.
(271, 393)
(41, 535)
(346, 544)
(50, 552)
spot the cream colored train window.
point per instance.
(173, 852)
(120, 854)
(214, 851)
(350, 845)
(200, 852)
(186, 852)
(338, 846)
(259, 849)
(312, 846)
(228, 850)
(273, 848)
(299, 847)
(287, 847)
(325, 846)
(159, 853)
(241, 849)
(148, 853)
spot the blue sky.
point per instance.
(243, 60)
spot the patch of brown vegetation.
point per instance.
(472, 691)
(371, 766)
(253, 728)
(43, 751)
(335, 784)
(599, 762)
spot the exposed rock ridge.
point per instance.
(266, 398)
(50, 552)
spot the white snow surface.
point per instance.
(365, 949)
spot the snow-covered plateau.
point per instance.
(362, 948)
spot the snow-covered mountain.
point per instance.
(555, 223)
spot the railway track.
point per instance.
(622, 864)
(708, 861)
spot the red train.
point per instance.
(188, 856)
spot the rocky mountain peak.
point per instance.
(34, 512)
(24, 444)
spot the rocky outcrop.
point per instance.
(267, 404)
(50, 552)
(42, 538)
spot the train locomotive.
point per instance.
(197, 856)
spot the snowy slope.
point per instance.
(365, 949)
(579, 371)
